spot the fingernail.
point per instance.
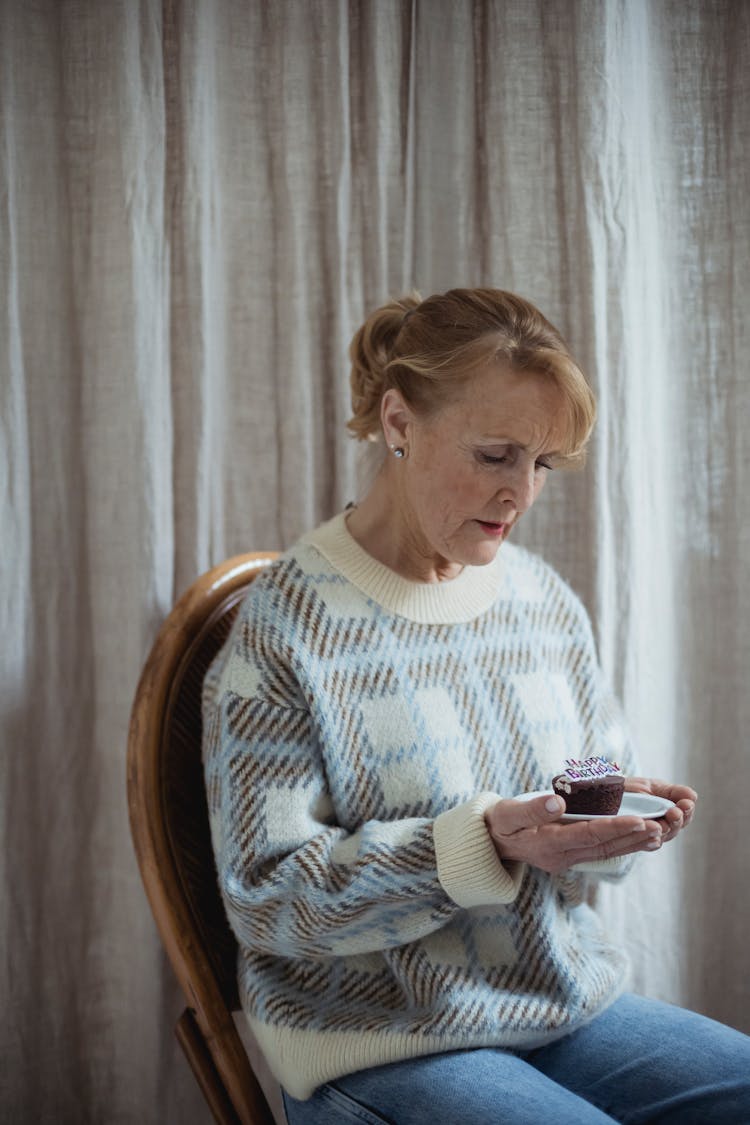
(653, 845)
(654, 835)
(553, 804)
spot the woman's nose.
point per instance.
(520, 487)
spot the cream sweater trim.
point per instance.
(468, 866)
(301, 1060)
(439, 603)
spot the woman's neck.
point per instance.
(383, 525)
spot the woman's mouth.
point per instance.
(496, 530)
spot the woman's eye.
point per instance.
(508, 458)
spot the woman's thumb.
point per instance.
(514, 815)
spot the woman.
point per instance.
(415, 943)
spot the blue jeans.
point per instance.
(639, 1061)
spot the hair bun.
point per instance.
(371, 350)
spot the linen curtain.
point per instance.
(199, 202)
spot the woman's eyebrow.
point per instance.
(518, 445)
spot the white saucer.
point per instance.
(633, 804)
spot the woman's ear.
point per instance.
(395, 417)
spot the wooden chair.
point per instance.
(169, 825)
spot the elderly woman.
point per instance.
(416, 943)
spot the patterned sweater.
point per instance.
(357, 726)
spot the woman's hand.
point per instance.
(674, 820)
(529, 832)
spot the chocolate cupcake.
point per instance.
(593, 787)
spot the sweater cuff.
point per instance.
(468, 866)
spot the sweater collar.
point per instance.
(462, 598)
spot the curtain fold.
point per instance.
(199, 203)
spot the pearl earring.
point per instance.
(398, 451)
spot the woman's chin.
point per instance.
(488, 554)
(481, 554)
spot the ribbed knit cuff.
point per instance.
(469, 868)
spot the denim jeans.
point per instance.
(639, 1061)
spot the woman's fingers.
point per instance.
(672, 822)
(680, 794)
(688, 809)
(530, 832)
(644, 837)
(676, 793)
(684, 798)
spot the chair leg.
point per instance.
(203, 1067)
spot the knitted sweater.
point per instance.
(357, 726)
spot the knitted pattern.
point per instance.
(352, 745)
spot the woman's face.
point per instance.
(475, 467)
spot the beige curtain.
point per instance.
(199, 201)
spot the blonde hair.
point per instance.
(429, 349)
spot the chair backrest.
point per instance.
(170, 829)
